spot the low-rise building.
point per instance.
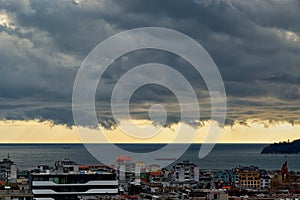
(185, 171)
(61, 184)
(225, 177)
(217, 195)
(249, 177)
(265, 180)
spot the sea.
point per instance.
(223, 156)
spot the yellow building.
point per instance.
(249, 177)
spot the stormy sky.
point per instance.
(255, 45)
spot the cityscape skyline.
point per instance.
(140, 99)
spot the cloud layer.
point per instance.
(255, 44)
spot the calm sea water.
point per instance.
(223, 156)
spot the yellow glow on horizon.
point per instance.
(17, 131)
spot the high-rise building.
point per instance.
(8, 170)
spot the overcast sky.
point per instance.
(255, 44)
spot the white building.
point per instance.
(265, 182)
(62, 183)
(185, 171)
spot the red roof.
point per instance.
(123, 158)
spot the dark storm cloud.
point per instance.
(255, 44)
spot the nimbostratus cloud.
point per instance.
(255, 44)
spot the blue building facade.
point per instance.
(227, 177)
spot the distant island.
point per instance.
(283, 148)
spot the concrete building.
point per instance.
(15, 195)
(248, 177)
(185, 171)
(265, 182)
(66, 166)
(64, 183)
(127, 171)
(8, 170)
(265, 179)
(226, 177)
(217, 195)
